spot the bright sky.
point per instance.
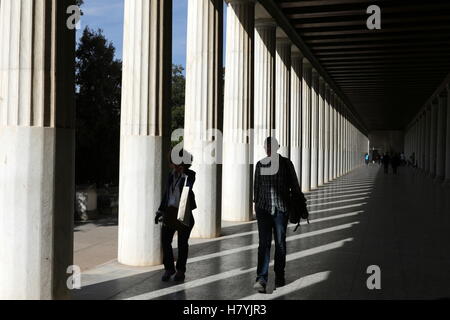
(108, 15)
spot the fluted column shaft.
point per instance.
(447, 141)
(296, 113)
(433, 138)
(321, 157)
(203, 110)
(306, 126)
(422, 142)
(339, 134)
(37, 147)
(314, 130)
(145, 125)
(238, 112)
(265, 44)
(345, 142)
(427, 150)
(282, 94)
(335, 135)
(328, 126)
(441, 136)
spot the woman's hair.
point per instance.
(182, 157)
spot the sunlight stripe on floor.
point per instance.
(345, 185)
(297, 285)
(335, 202)
(339, 208)
(341, 189)
(288, 239)
(344, 196)
(291, 226)
(310, 196)
(235, 272)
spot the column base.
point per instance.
(36, 205)
(139, 199)
(237, 183)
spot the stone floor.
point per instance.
(399, 223)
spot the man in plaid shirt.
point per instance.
(275, 179)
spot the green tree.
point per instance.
(178, 97)
(98, 81)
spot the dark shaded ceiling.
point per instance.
(386, 74)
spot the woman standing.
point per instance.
(181, 176)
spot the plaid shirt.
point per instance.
(272, 192)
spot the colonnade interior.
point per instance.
(313, 75)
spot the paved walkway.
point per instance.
(399, 223)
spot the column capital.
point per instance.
(283, 41)
(296, 54)
(265, 23)
(306, 63)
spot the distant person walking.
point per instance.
(271, 196)
(395, 163)
(412, 160)
(181, 176)
(386, 160)
(367, 159)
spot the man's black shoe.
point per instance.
(179, 277)
(167, 275)
(280, 282)
(260, 286)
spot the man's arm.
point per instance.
(295, 186)
(256, 186)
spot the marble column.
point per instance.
(296, 112)
(265, 34)
(334, 136)
(203, 111)
(447, 141)
(237, 176)
(37, 148)
(315, 130)
(421, 157)
(327, 124)
(427, 144)
(306, 126)
(345, 146)
(282, 94)
(321, 147)
(433, 138)
(441, 137)
(339, 138)
(349, 145)
(350, 150)
(145, 125)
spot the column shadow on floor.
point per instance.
(355, 224)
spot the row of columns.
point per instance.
(270, 89)
(428, 138)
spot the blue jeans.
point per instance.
(266, 223)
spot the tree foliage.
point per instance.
(98, 81)
(98, 101)
(178, 97)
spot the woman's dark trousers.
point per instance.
(167, 234)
